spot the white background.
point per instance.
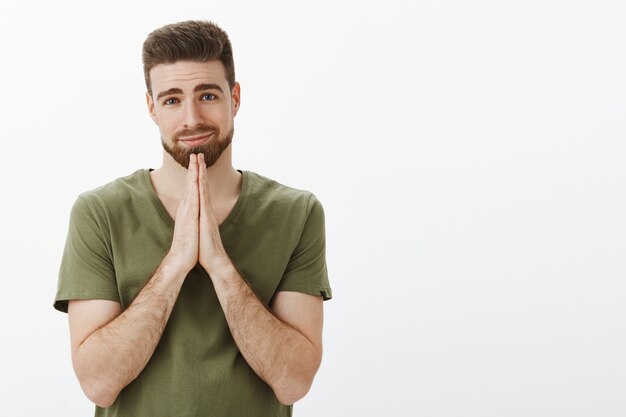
(469, 156)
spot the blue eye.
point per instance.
(169, 101)
(211, 96)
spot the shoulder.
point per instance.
(270, 194)
(114, 195)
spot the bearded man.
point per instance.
(194, 289)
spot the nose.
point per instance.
(192, 116)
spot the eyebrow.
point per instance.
(199, 87)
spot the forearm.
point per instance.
(279, 353)
(282, 356)
(115, 354)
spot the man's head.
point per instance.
(192, 93)
(193, 40)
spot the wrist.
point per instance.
(218, 265)
(173, 264)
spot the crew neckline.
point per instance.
(230, 219)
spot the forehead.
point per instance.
(187, 74)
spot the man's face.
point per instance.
(194, 109)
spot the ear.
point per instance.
(150, 103)
(235, 96)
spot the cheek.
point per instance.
(224, 116)
(166, 122)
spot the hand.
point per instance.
(211, 253)
(184, 251)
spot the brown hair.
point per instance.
(193, 40)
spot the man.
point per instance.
(194, 289)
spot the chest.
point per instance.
(221, 208)
(261, 258)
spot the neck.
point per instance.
(224, 180)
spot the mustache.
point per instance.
(200, 130)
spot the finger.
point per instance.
(201, 163)
(193, 183)
(191, 178)
(203, 183)
(193, 163)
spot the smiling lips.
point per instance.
(196, 140)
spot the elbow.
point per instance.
(296, 382)
(103, 402)
(292, 392)
(98, 394)
(294, 387)
(96, 385)
(96, 388)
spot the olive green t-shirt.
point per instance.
(119, 234)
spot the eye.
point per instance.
(209, 96)
(169, 101)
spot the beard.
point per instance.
(212, 150)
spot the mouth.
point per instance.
(194, 141)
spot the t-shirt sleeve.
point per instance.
(86, 270)
(306, 271)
